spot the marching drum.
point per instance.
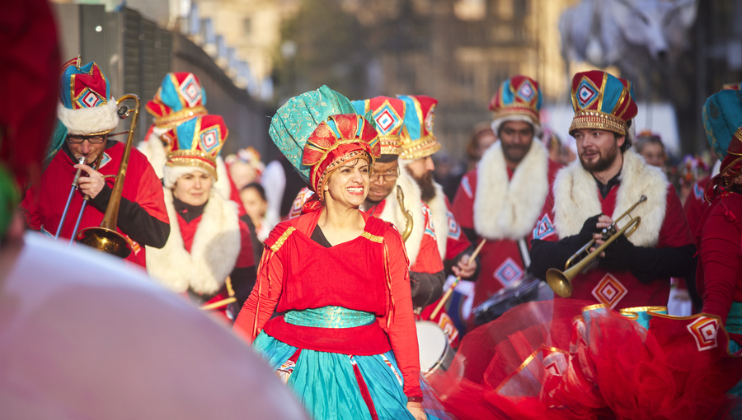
(435, 351)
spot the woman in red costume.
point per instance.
(208, 243)
(345, 339)
(719, 277)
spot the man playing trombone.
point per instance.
(607, 180)
(58, 206)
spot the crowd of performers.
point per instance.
(334, 297)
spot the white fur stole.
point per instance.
(213, 255)
(576, 198)
(509, 208)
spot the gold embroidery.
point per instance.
(372, 238)
(279, 242)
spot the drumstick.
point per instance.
(449, 292)
(219, 304)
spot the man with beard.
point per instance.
(588, 194)
(426, 268)
(502, 197)
(418, 145)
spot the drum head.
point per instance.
(432, 342)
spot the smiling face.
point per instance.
(348, 184)
(193, 188)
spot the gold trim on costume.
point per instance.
(648, 309)
(372, 238)
(176, 118)
(279, 242)
(594, 307)
(194, 158)
(592, 119)
(420, 148)
(517, 109)
(528, 360)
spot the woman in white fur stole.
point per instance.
(208, 243)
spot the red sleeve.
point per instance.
(245, 259)
(401, 331)
(463, 201)
(259, 307)
(457, 241)
(694, 207)
(544, 229)
(30, 208)
(428, 259)
(674, 232)
(149, 192)
(719, 254)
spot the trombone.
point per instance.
(105, 237)
(561, 281)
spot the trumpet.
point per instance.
(105, 237)
(561, 281)
(408, 224)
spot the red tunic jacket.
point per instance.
(43, 204)
(500, 259)
(719, 276)
(368, 274)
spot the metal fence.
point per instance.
(135, 54)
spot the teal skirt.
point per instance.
(326, 383)
(734, 325)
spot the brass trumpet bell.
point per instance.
(561, 281)
(106, 240)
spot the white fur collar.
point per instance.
(393, 213)
(576, 198)
(439, 210)
(509, 208)
(155, 152)
(213, 255)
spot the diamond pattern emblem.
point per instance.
(454, 230)
(544, 228)
(609, 291)
(429, 120)
(190, 91)
(526, 91)
(508, 272)
(704, 330)
(90, 99)
(587, 93)
(210, 139)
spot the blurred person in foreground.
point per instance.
(501, 199)
(345, 341)
(85, 336)
(209, 255)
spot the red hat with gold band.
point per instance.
(518, 99)
(388, 113)
(341, 138)
(179, 98)
(602, 101)
(417, 138)
(194, 144)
